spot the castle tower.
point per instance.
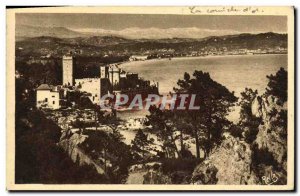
(67, 70)
(114, 75)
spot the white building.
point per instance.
(48, 97)
(91, 86)
(138, 58)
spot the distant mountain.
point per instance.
(98, 40)
(26, 31)
(100, 45)
(170, 34)
(157, 33)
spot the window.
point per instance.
(53, 95)
(53, 102)
(46, 99)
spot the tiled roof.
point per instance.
(44, 87)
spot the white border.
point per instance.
(153, 2)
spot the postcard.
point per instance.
(150, 98)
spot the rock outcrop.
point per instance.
(271, 139)
(263, 161)
(271, 135)
(69, 142)
(228, 164)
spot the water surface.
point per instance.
(234, 72)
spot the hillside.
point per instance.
(113, 45)
(26, 31)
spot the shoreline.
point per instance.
(191, 57)
(137, 64)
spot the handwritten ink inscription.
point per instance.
(232, 9)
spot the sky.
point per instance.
(150, 25)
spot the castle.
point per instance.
(111, 79)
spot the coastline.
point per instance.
(233, 115)
(191, 57)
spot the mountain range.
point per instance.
(56, 41)
(26, 31)
(114, 45)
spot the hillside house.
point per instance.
(48, 96)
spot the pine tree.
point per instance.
(277, 85)
(141, 144)
(215, 100)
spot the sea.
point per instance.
(234, 72)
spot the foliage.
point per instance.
(206, 124)
(163, 127)
(141, 145)
(277, 85)
(281, 121)
(40, 160)
(38, 73)
(248, 123)
(179, 170)
(109, 149)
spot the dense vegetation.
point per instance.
(50, 72)
(112, 153)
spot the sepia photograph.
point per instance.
(150, 98)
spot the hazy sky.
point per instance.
(123, 21)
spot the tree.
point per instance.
(206, 124)
(113, 122)
(36, 140)
(141, 144)
(163, 126)
(110, 151)
(98, 115)
(248, 123)
(277, 85)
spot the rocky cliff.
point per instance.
(270, 145)
(228, 164)
(261, 162)
(69, 142)
(271, 135)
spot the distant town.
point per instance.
(108, 47)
